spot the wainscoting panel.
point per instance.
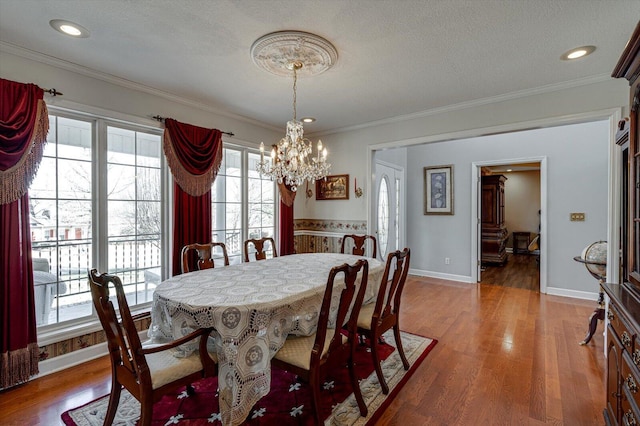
(67, 346)
(323, 236)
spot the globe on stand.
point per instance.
(594, 258)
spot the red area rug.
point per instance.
(288, 402)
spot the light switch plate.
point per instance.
(576, 217)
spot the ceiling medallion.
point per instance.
(278, 52)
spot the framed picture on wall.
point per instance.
(334, 187)
(438, 190)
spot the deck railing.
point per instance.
(136, 261)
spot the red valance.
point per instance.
(24, 123)
(287, 197)
(194, 155)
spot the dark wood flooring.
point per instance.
(506, 356)
(520, 271)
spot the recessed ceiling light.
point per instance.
(578, 52)
(308, 119)
(69, 28)
(509, 170)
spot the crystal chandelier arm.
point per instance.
(292, 160)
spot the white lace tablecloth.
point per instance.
(253, 307)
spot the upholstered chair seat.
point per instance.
(168, 366)
(296, 350)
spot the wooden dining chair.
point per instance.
(376, 318)
(360, 244)
(147, 371)
(259, 247)
(204, 253)
(311, 357)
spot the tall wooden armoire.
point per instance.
(623, 311)
(494, 231)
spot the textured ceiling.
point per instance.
(395, 57)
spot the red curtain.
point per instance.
(194, 155)
(287, 198)
(23, 129)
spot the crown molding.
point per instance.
(472, 104)
(72, 67)
(88, 72)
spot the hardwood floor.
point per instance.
(520, 271)
(506, 356)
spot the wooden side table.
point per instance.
(521, 242)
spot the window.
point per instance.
(61, 222)
(71, 222)
(134, 199)
(243, 203)
(261, 202)
(97, 201)
(383, 216)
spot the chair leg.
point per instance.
(356, 389)
(114, 400)
(190, 390)
(373, 342)
(314, 384)
(146, 410)
(396, 334)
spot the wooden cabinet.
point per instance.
(623, 356)
(629, 67)
(494, 231)
(623, 315)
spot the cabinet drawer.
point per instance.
(630, 413)
(622, 329)
(630, 378)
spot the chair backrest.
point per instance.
(360, 244)
(261, 250)
(390, 292)
(351, 298)
(204, 255)
(122, 337)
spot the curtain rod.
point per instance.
(52, 92)
(161, 119)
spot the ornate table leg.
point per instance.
(598, 314)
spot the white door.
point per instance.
(479, 222)
(388, 220)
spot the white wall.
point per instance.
(351, 152)
(522, 202)
(348, 148)
(396, 156)
(575, 184)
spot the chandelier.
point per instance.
(292, 160)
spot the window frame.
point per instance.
(100, 121)
(245, 149)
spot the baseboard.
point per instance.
(62, 362)
(554, 291)
(442, 276)
(576, 294)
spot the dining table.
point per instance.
(252, 308)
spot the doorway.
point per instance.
(509, 251)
